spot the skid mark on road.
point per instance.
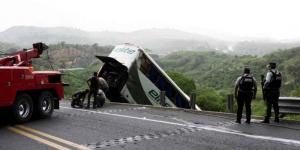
(138, 138)
(203, 127)
(225, 123)
(106, 111)
(122, 110)
(218, 124)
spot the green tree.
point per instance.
(210, 99)
(185, 83)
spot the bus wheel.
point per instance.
(22, 108)
(45, 105)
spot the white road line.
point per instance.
(208, 128)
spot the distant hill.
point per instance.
(26, 35)
(219, 71)
(64, 56)
(160, 41)
(8, 47)
(261, 48)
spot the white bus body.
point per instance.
(134, 77)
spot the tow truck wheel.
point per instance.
(22, 108)
(45, 105)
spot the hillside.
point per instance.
(219, 71)
(8, 47)
(261, 48)
(160, 41)
(65, 56)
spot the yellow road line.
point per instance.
(77, 146)
(39, 139)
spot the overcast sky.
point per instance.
(254, 18)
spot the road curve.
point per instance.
(132, 127)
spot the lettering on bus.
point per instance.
(125, 50)
(156, 97)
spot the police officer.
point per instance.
(94, 87)
(245, 91)
(272, 91)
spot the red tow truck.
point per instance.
(27, 92)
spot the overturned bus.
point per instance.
(134, 77)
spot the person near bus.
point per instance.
(101, 94)
(93, 83)
(271, 89)
(78, 98)
(245, 91)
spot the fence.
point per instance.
(289, 105)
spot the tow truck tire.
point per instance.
(45, 105)
(22, 108)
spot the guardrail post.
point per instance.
(193, 101)
(230, 103)
(163, 98)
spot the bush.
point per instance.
(185, 83)
(210, 99)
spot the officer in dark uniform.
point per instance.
(94, 87)
(272, 91)
(245, 91)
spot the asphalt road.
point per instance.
(130, 127)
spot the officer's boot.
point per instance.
(88, 105)
(276, 120)
(94, 105)
(248, 120)
(266, 120)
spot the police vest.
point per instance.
(275, 82)
(246, 83)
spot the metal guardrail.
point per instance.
(289, 105)
(192, 100)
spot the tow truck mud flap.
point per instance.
(56, 104)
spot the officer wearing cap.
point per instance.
(245, 91)
(271, 89)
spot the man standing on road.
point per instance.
(245, 91)
(93, 83)
(272, 91)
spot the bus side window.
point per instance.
(178, 100)
(145, 68)
(168, 89)
(145, 65)
(153, 74)
(161, 83)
